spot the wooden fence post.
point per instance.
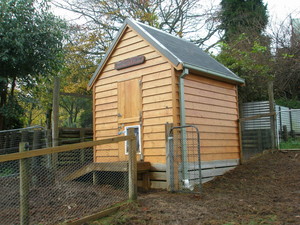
(272, 118)
(132, 167)
(24, 185)
(55, 120)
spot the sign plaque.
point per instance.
(137, 60)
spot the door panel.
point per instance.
(129, 108)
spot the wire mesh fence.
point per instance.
(39, 190)
(184, 159)
(288, 128)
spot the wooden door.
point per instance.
(129, 108)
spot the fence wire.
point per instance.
(184, 159)
(256, 136)
(59, 189)
(288, 128)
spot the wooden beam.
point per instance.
(64, 148)
(132, 167)
(95, 216)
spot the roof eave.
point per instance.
(237, 80)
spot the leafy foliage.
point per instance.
(250, 63)
(30, 47)
(243, 16)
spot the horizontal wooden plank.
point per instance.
(99, 87)
(157, 83)
(157, 98)
(220, 156)
(106, 119)
(210, 172)
(148, 57)
(107, 106)
(136, 73)
(96, 216)
(110, 146)
(112, 132)
(157, 105)
(133, 40)
(154, 128)
(158, 113)
(206, 80)
(108, 126)
(200, 92)
(217, 143)
(147, 52)
(104, 94)
(210, 87)
(147, 65)
(212, 115)
(107, 153)
(103, 113)
(219, 163)
(157, 76)
(129, 120)
(126, 49)
(155, 159)
(157, 90)
(106, 159)
(154, 144)
(218, 136)
(106, 100)
(210, 101)
(153, 150)
(218, 149)
(212, 122)
(210, 108)
(154, 136)
(64, 148)
(158, 120)
(217, 129)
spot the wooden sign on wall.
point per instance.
(137, 60)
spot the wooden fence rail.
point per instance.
(63, 148)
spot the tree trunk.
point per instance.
(3, 100)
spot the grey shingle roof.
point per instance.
(178, 51)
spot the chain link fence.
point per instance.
(184, 159)
(36, 189)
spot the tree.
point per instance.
(30, 46)
(243, 16)
(246, 50)
(286, 62)
(252, 63)
(183, 18)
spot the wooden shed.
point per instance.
(139, 83)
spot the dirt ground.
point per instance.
(264, 190)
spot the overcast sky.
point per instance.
(278, 9)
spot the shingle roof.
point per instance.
(177, 50)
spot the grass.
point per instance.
(292, 143)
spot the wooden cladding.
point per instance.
(134, 61)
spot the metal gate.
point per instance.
(183, 159)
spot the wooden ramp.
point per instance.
(142, 168)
